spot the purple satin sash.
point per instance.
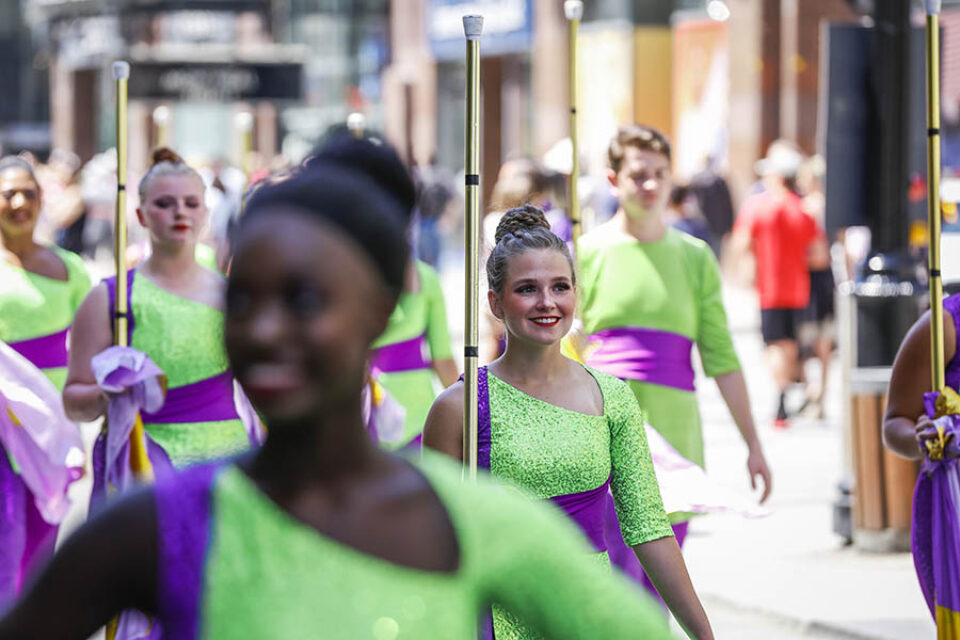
(408, 355)
(45, 352)
(207, 400)
(648, 355)
(952, 373)
(587, 510)
(183, 523)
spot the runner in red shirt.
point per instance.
(773, 224)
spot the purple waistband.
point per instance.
(649, 355)
(587, 510)
(408, 355)
(45, 352)
(208, 400)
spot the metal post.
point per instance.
(139, 462)
(933, 193)
(573, 9)
(121, 73)
(472, 28)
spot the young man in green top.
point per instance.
(649, 294)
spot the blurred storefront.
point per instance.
(207, 76)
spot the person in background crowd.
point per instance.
(683, 215)
(714, 201)
(319, 531)
(176, 319)
(649, 294)
(773, 225)
(817, 334)
(40, 289)
(437, 191)
(41, 286)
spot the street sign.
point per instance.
(203, 82)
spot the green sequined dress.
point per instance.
(185, 339)
(264, 574)
(550, 451)
(32, 305)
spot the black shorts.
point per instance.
(780, 324)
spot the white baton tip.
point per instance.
(933, 7)
(472, 27)
(573, 9)
(121, 70)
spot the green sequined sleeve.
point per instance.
(634, 482)
(538, 566)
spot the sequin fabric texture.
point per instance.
(185, 339)
(267, 575)
(550, 451)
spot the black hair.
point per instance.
(349, 200)
(376, 159)
(678, 194)
(520, 230)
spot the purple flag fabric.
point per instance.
(41, 454)
(134, 384)
(383, 416)
(36, 433)
(935, 531)
(648, 355)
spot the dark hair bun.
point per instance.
(165, 154)
(375, 159)
(516, 221)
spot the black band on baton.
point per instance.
(934, 273)
(472, 179)
(471, 352)
(933, 131)
(121, 187)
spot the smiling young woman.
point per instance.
(320, 531)
(557, 429)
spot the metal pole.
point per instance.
(121, 73)
(139, 462)
(573, 9)
(472, 28)
(933, 193)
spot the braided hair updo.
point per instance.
(166, 162)
(520, 230)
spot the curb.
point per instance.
(830, 629)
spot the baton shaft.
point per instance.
(933, 201)
(472, 245)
